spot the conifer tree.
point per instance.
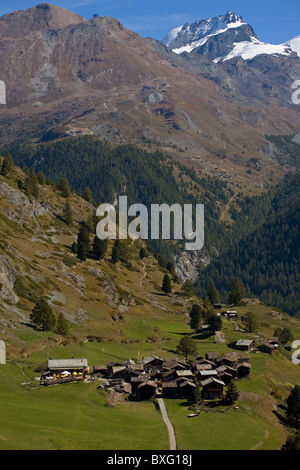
(64, 187)
(68, 215)
(251, 322)
(7, 164)
(196, 316)
(87, 195)
(232, 394)
(237, 291)
(115, 255)
(99, 248)
(62, 327)
(166, 284)
(187, 347)
(42, 315)
(81, 251)
(84, 238)
(213, 294)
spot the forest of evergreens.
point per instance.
(261, 247)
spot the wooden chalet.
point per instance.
(274, 341)
(184, 373)
(168, 376)
(187, 389)
(245, 345)
(267, 348)
(110, 366)
(119, 372)
(227, 369)
(64, 370)
(152, 363)
(218, 306)
(229, 314)
(211, 356)
(174, 364)
(197, 367)
(170, 389)
(101, 369)
(225, 377)
(243, 370)
(233, 359)
(146, 390)
(205, 374)
(212, 388)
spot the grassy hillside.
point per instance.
(115, 312)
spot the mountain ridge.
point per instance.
(223, 38)
(41, 17)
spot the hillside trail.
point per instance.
(227, 207)
(171, 432)
(144, 273)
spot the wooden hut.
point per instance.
(187, 389)
(146, 390)
(212, 388)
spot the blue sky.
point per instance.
(273, 21)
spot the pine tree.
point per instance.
(62, 327)
(64, 187)
(187, 347)
(74, 248)
(166, 284)
(35, 184)
(187, 288)
(143, 253)
(87, 195)
(8, 164)
(171, 268)
(213, 294)
(196, 316)
(251, 322)
(81, 251)
(237, 291)
(232, 394)
(207, 303)
(28, 186)
(215, 323)
(99, 248)
(284, 335)
(83, 237)
(115, 255)
(90, 224)
(68, 215)
(42, 315)
(41, 178)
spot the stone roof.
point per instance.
(67, 363)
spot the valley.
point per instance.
(201, 342)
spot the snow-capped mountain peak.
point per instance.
(225, 37)
(188, 37)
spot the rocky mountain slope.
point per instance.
(71, 76)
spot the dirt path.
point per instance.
(227, 207)
(261, 443)
(144, 274)
(172, 438)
